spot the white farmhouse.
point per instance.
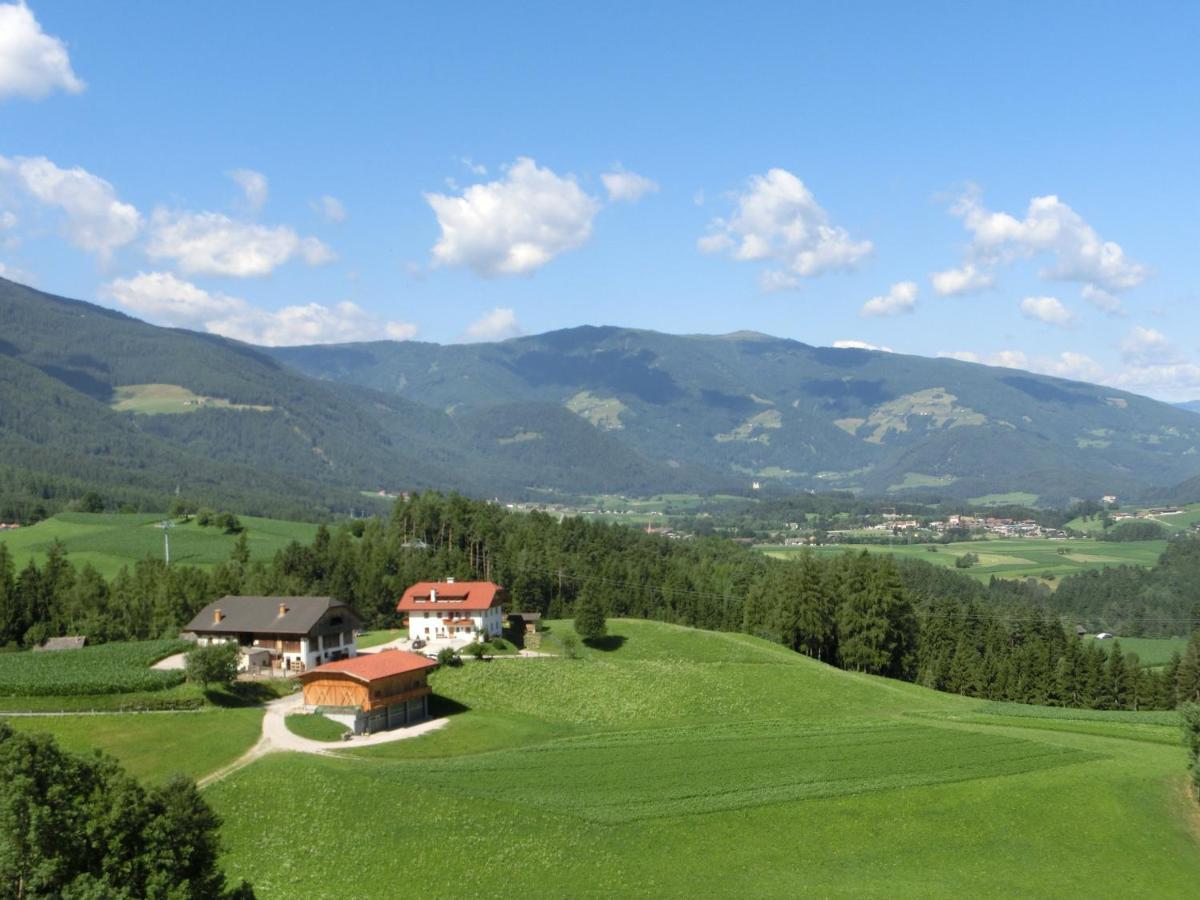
(452, 609)
(297, 633)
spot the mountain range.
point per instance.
(92, 396)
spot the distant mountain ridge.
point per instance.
(779, 411)
(594, 409)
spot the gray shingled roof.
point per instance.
(260, 615)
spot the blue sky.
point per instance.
(317, 172)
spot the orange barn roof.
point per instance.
(451, 595)
(368, 667)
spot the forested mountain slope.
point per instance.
(85, 392)
(753, 406)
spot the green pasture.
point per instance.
(667, 762)
(1174, 524)
(1151, 652)
(170, 399)
(370, 639)
(112, 540)
(1007, 557)
(154, 746)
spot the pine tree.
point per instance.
(1187, 683)
(1118, 679)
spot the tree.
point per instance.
(228, 523)
(91, 502)
(1187, 685)
(79, 826)
(590, 623)
(213, 664)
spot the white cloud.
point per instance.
(778, 220)
(1047, 309)
(1175, 381)
(515, 225)
(214, 244)
(165, 299)
(253, 185)
(96, 220)
(476, 168)
(901, 298)
(1049, 227)
(860, 345)
(630, 186)
(32, 63)
(8, 220)
(12, 273)
(1068, 364)
(329, 208)
(496, 325)
(1102, 300)
(1148, 346)
(968, 279)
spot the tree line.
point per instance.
(870, 613)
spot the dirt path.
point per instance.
(277, 738)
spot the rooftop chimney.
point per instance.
(217, 616)
(282, 609)
(433, 595)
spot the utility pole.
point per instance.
(166, 525)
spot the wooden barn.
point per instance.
(388, 688)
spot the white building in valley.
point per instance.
(452, 609)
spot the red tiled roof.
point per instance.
(368, 667)
(451, 595)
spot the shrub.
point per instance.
(447, 657)
(570, 646)
(213, 664)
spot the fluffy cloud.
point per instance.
(630, 186)
(901, 298)
(496, 325)
(1102, 300)
(968, 279)
(213, 244)
(95, 220)
(1148, 346)
(860, 345)
(253, 185)
(1076, 366)
(1049, 227)
(515, 225)
(167, 300)
(1047, 309)
(32, 63)
(778, 220)
(329, 208)
(1175, 381)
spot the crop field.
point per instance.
(1008, 557)
(672, 762)
(111, 540)
(103, 669)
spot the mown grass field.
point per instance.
(678, 763)
(154, 746)
(1008, 558)
(1151, 652)
(111, 540)
(315, 727)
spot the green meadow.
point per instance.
(1151, 652)
(670, 762)
(1174, 523)
(1007, 557)
(111, 540)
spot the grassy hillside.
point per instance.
(1010, 558)
(683, 763)
(111, 540)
